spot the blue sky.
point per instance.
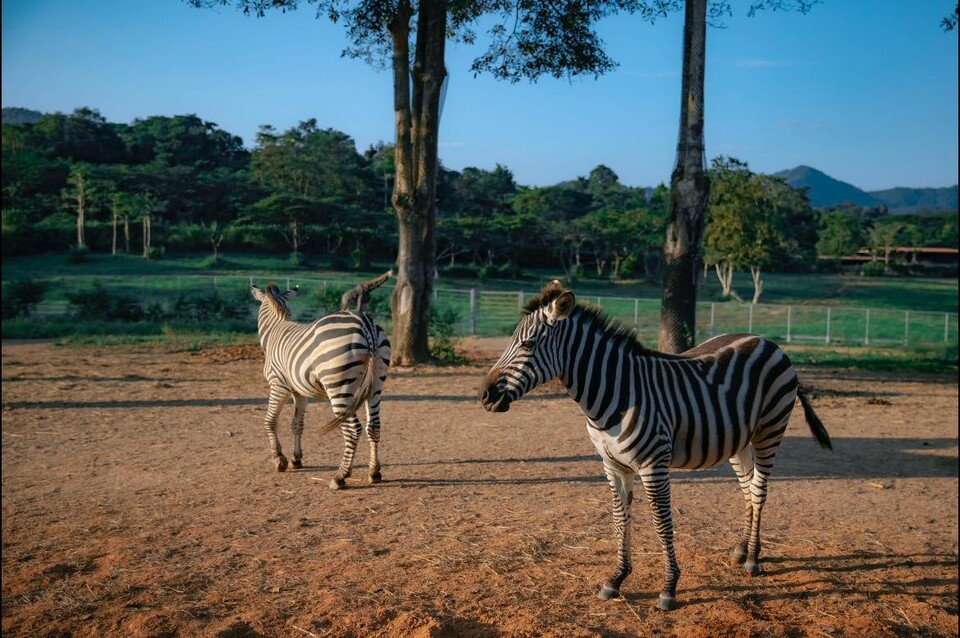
(864, 91)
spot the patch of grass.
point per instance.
(941, 361)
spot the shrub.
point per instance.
(19, 297)
(154, 252)
(77, 254)
(442, 328)
(873, 269)
(90, 304)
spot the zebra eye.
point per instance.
(527, 344)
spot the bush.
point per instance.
(97, 304)
(77, 254)
(154, 252)
(442, 328)
(873, 269)
(19, 297)
(628, 267)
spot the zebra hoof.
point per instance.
(337, 484)
(281, 462)
(376, 477)
(739, 554)
(666, 603)
(752, 567)
(297, 464)
(607, 592)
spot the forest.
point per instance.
(76, 182)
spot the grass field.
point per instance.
(833, 311)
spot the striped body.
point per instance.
(647, 412)
(343, 357)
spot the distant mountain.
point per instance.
(918, 200)
(825, 191)
(17, 115)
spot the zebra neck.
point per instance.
(599, 370)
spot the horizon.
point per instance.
(874, 106)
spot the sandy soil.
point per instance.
(139, 499)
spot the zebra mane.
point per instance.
(619, 333)
(550, 292)
(540, 301)
(277, 302)
(616, 331)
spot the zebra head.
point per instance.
(274, 300)
(533, 355)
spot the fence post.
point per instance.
(828, 325)
(288, 283)
(473, 311)
(866, 336)
(906, 328)
(636, 313)
(789, 318)
(713, 317)
(750, 320)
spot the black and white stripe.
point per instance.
(648, 412)
(343, 357)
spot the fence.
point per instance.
(495, 313)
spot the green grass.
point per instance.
(793, 310)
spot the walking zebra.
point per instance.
(343, 356)
(647, 412)
(358, 298)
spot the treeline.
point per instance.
(78, 182)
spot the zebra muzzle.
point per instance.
(493, 399)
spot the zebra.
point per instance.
(343, 356)
(647, 412)
(358, 298)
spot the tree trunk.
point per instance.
(146, 235)
(116, 216)
(725, 276)
(690, 189)
(414, 194)
(126, 234)
(81, 217)
(757, 284)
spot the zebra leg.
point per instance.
(278, 396)
(656, 484)
(620, 478)
(742, 464)
(351, 434)
(764, 452)
(373, 437)
(299, 407)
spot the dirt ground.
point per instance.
(139, 499)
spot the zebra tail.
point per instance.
(816, 425)
(359, 398)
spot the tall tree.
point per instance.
(748, 221)
(534, 38)
(690, 186)
(80, 191)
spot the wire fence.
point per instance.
(486, 313)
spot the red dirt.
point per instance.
(139, 499)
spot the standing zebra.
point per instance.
(647, 412)
(343, 356)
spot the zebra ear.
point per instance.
(551, 288)
(256, 293)
(561, 307)
(290, 294)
